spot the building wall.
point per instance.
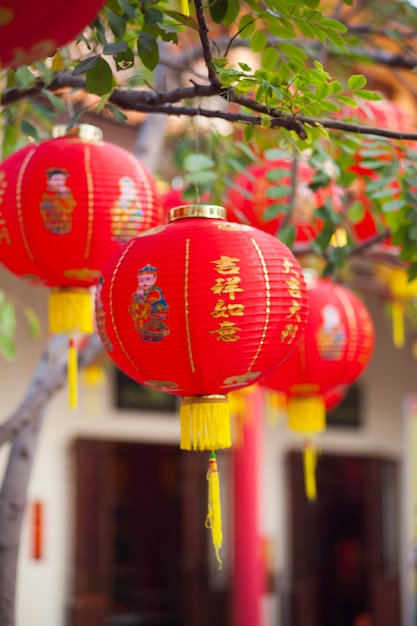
(44, 586)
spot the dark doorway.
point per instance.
(344, 546)
(141, 548)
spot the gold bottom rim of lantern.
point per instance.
(204, 422)
(307, 415)
(70, 311)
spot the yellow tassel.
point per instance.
(307, 415)
(310, 463)
(214, 514)
(72, 374)
(70, 310)
(205, 423)
(185, 9)
(398, 323)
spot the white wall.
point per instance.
(44, 586)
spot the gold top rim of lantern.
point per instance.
(211, 211)
(214, 397)
(84, 131)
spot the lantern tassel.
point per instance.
(72, 374)
(310, 463)
(214, 514)
(205, 423)
(70, 310)
(398, 323)
(185, 9)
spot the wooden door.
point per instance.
(142, 552)
(344, 550)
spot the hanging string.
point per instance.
(310, 463)
(72, 373)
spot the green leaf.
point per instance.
(33, 322)
(182, 19)
(115, 6)
(117, 24)
(124, 60)
(29, 129)
(392, 205)
(58, 103)
(195, 162)
(367, 95)
(86, 65)
(218, 10)
(115, 48)
(270, 58)
(7, 347)
(246, 25)
(357, 81)
(99, 79)
(201, 178)
(233, 10)
(258, 41)
(292, 50)
(118, 115)
(356, 212)
(148, 50)
(248, 133)
(287, 235)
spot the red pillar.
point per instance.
(249, 571)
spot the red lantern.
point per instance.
(334, 397)
(197, 308)
(252, 196)
(193, 308)
(66, 206)
(336, 347)
(31, 31)
(388, 115)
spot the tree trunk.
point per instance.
(12, 507)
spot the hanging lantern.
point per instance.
(65, 206)
(263, 188)
(336, 347)
(388, 115)
(30, 31)
(398, 291)
(198, 308)
(334, 397)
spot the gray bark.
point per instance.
(23, 428)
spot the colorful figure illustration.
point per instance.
(149, 309)
(127, 213)
(331, 334)
(57, 202)
(101, 317)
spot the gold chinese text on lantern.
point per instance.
(227, 285)
(294, 317)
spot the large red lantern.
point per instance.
(198, 308)
(336, 347)
(254, 194)
(65, 206)
(30, 31)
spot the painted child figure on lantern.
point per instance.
(57, 202)
(127, 213)
(149, 308)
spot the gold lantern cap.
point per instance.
(211, 211)
(84, 131)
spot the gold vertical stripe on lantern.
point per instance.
(267, 302)
(90, 200)
(20, 175)
(186, 305)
